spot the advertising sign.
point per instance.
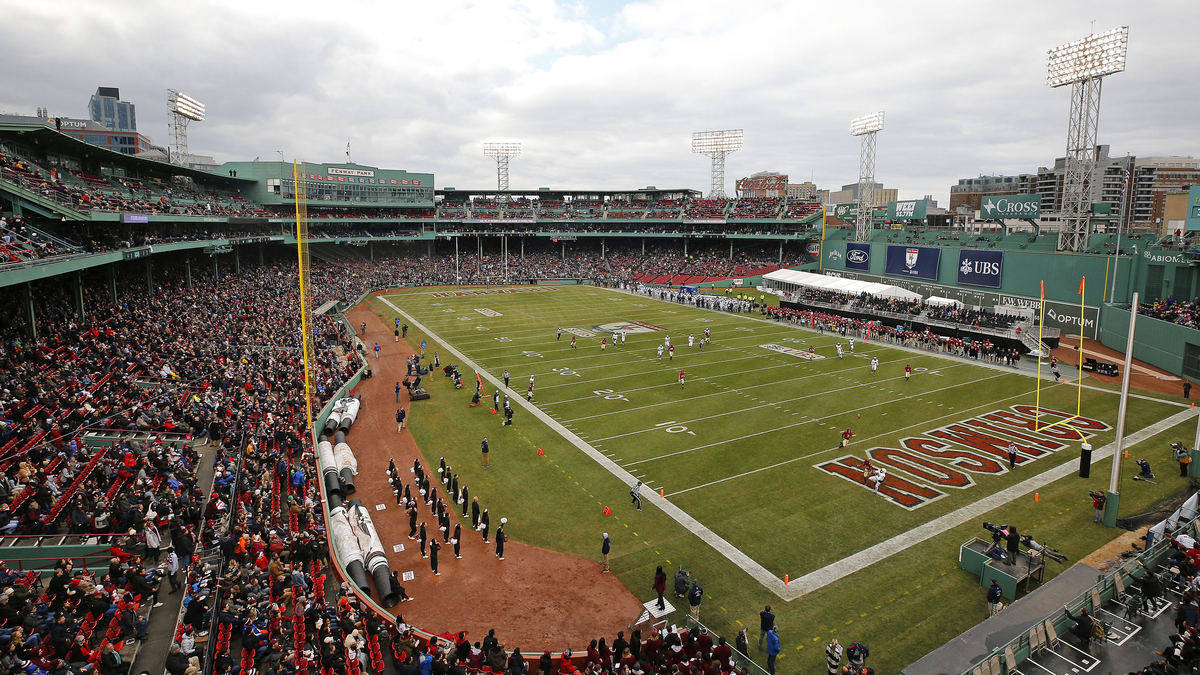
(135, 218)
(919, 262)
(913, 209)
(1193, 208)
(858, 256)
(845, 212)
(980, 268)
(1024, 207)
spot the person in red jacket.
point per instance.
(722, 653)
(660, 586)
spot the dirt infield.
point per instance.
(524, 596)
(1144, 375)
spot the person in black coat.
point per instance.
(485, 524)
(457, 539)
(434, 547)
(1083, 625)
(424, 537)
(500, 539)
(1151, 590)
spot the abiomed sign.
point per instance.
(1023, 207)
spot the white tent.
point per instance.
(793, 280)
(942, 302)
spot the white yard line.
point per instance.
(885, 549)
(853, 563)
(798, 424)
(745, 562)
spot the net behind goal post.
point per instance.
(1065, 421)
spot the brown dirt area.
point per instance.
(523, 597)
(1144, 375)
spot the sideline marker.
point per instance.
(662, 493)
(1036, 496)
(607, 511)
(785, 580)
(1126, 454)
(541, 452)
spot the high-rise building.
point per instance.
(107, 108)
(1153, 178)
(806, 191)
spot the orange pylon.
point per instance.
(540, 452)
(1036, 495)
(785, 580)
(607, 511)
(662, 493)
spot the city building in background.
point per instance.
(763, 185)
(806, 191)
(849, 194)
(107, 109)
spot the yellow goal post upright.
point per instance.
(1037, 424)
(298, 183)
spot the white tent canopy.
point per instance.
(942, 302)
(791, 280)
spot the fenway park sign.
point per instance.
(951, 457)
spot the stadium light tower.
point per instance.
(717, 144)
(866, 127)
(502, 152)
(181, 109)
(1083, 65)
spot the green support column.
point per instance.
(77, 281)
(522, 248)
(602, 249)
(149, 278)
(1194, 467)
(112, 283)
(1110, 508)
(188, 271)
(371, 250)
(237, 261)
(216, 269)
(260, 254)
(30, 318)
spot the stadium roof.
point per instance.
(840, 285)
(46, 138)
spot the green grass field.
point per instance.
(740, 449)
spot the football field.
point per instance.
(747, 452)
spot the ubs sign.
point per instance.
(1024, 207)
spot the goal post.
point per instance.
(1037, 424)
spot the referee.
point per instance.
(635, 494)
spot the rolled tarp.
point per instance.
(349, 406)
(375, 558)
(329, 468)
(348, 547)
(347, 465)
(334, 419)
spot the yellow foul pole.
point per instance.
(302, 255)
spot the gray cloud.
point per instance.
(606, 95)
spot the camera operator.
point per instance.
(1098, 501)
(1042, 549)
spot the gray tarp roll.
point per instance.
(345, 462)
(329, 471)
(375, 558)
(348, 547)
(350, 408)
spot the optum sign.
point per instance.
(1023, 207)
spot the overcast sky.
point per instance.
(606, 94)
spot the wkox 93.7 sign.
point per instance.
(980, 268)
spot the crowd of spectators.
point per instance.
(866, 329)
(20, 244)
(1182, 312)
(977, 318)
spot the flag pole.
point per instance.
(1079, 365)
